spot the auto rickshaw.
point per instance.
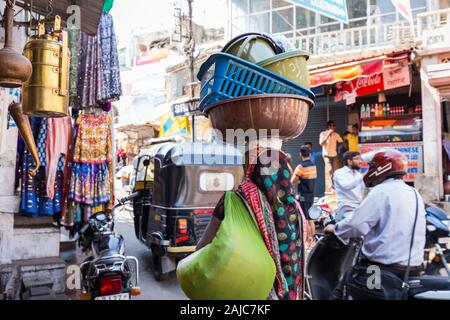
(177, 188)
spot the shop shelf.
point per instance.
(394, 116)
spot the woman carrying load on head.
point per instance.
(268, 192)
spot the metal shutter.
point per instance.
(316, 124)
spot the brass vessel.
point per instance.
(23, 124)
(14, 67)
(46, 93)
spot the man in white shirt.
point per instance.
(328, 140)
(388, 217)
(349, 185)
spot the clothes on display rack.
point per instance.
(91, 185)
(35, 201)
(98, 67)
(59, 133)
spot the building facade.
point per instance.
(410, 56)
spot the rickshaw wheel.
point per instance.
(157, 268)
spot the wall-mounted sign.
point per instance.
(412, 150)
(186, 108)
(394, 75)
(334, 9)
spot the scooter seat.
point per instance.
(430, 287)
(107, 253)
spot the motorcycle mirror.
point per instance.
(314, 212)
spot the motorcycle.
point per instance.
(107, 274)
(330, 259)
(438, 233)
(322, 211)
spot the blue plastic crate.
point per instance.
(224, 76)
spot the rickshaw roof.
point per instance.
(194, 154)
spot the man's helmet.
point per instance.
(385, 164)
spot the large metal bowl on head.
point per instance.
(283, 112)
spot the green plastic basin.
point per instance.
(291, 65)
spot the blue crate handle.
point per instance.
(220, 55)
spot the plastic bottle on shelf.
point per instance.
(384, 109)
(372, 111)
(388, 109)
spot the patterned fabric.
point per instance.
(90, 184)
(268, 191)
(98, 67)
(59, 132)
(264, 217)
(41, 142)
(110, 58)
(290, 225)
(93, 143)
(34, 200)
(90, 188)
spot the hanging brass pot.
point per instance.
(46, 93)
(14, 67)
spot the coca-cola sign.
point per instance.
(393, 76)
(370, 84)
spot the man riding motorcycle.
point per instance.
(392, 222)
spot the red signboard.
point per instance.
(345, 73)
(394, 75)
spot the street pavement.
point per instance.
(150, 288)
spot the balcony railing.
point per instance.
(395, 35)
(432, 20)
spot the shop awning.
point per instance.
(346, 71)
(91, 11)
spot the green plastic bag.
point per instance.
(236, 265)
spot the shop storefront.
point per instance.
(59, 170)
(382, 95)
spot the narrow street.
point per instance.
(150, 288)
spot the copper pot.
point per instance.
(14, 67)
(23, 124)
(287, 113)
